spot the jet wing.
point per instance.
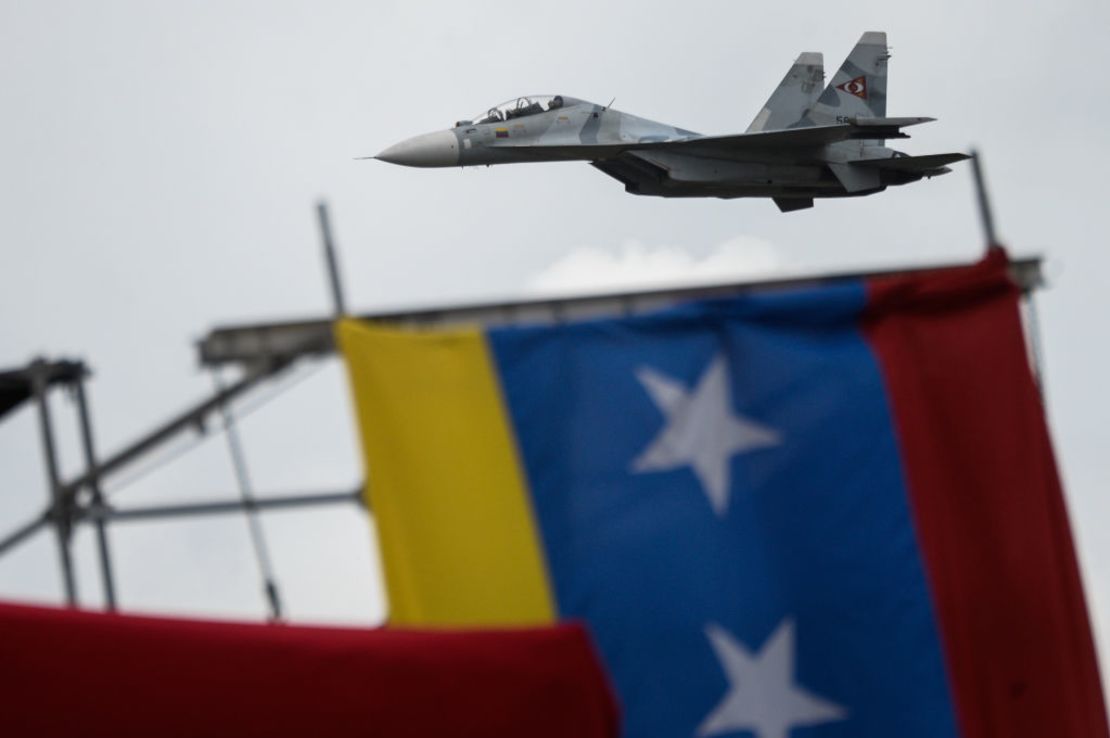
(790, 138)
(797, 137)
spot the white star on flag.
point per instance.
(762, 696)
(701, 431)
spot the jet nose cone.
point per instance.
(439, 149)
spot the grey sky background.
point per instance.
(160, 162)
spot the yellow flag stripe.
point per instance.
(458, 539)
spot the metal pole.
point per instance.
(985, 214)
(258, 537)
(191, 418)
(97, 495)
(1031, 322)
(59, 513)
(1033, 325)
(331, 259)
(24, 532)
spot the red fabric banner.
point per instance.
(73, 673)
(988, 505)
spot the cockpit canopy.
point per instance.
(519, 107)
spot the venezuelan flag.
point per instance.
(822, 512)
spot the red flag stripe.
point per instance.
(987, 502)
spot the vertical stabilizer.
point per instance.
(795, 95)
(858, 89)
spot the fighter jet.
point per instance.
(804, 144)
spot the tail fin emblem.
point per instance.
(857, 87)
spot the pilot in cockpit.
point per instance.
(521, 107)
(492, 116)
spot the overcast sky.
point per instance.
(160, 162)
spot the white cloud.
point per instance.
(636, 265)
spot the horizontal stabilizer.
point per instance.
(869, 123)
(913, 163)
(787, 204)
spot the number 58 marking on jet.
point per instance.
(806, 142)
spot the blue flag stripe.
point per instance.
(813, 529)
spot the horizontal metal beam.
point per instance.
(155, 512)
(61, 371)
(247, 344)
(18, 385)
(190, 418)
(104, 513)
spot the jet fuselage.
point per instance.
(804, 144)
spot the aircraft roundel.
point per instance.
(857, 87)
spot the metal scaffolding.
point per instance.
(265, 352)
